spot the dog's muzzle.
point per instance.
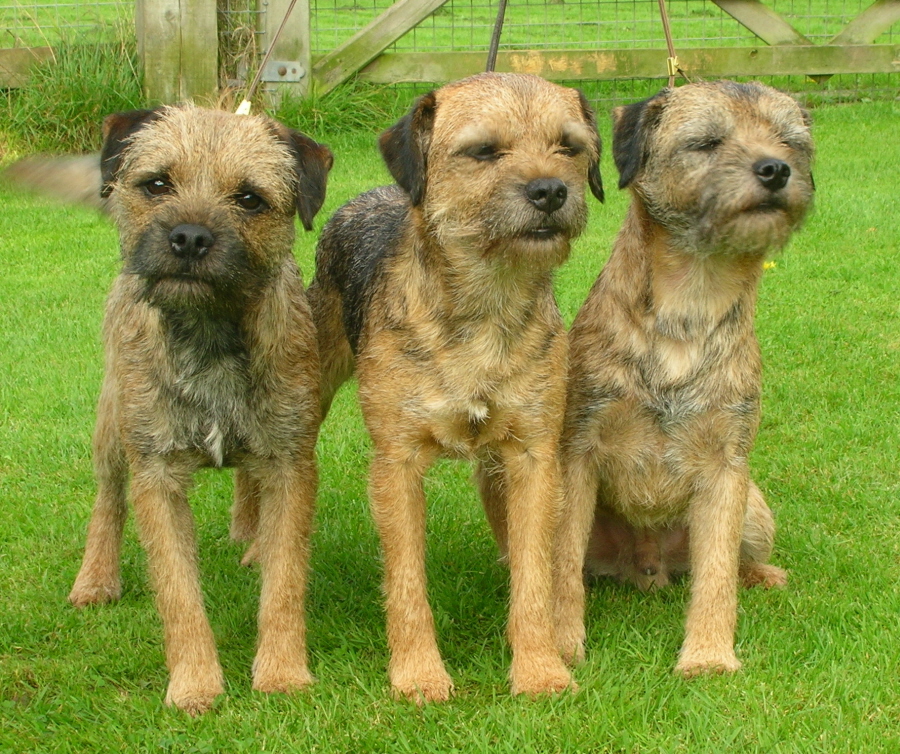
(191, 242)
(547, 194)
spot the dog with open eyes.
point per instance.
(664, 377)
(438, 292)
(211, 360)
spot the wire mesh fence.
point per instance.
(466, 25)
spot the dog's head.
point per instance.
(724, 167)
(205, 200)
(498, 163)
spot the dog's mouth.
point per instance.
(770, 205)
(543, 233)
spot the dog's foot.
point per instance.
(282, 679)
(431, 685)
(692, 664)
(541, 676)
(762, 574)
(194, 693)
(252, 554)
(86, 592)
(570, 642)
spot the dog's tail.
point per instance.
(335, 354)
(68, 179)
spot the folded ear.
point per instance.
(404, 147)
(632, 126)
(117, 132)
(313, 161)
(595, 181)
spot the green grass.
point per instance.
(821, 658)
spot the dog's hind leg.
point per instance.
(99, 579)
(335, 354)
(756, 546)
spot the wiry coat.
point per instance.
(439, 292)
(211, 360)
(664, 381)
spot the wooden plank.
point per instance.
(16, 63)
(870, 24)
(293, 45)
(364, 46)
(199, 37)
(763, 21)
(437, 67)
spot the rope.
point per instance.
(672, 62)
(495, 38)
(244, 107)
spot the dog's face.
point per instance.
(205, 200)
(724, 167)
(497, 164)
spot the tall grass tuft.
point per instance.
(62, 107)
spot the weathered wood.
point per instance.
(293, 46)
(364, 46)
(16, 63)
(763, 21)
(870, 24)
(178, 45)
(439, 67)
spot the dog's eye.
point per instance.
(570, 150)
(250, 202)
(484, 153)
(158, 187)
(705, 145)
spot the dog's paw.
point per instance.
(692, 664)
(538, 677)
(85, 593)
(764, 575)
(283, 680)
(571, 644)
(252, 554)
(194, 692)
(436, 686)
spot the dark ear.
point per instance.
(404, 147)
(594, 179)
(313, 161)
(632, 125)
(117, 132)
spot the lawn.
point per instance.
(821, 657)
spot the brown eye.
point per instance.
(485, 153)
(570, 150)
(250, 202)
(158, 187)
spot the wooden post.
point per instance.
(178, 48)
(288, 69)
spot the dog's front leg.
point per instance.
(570, 546)
(398, 506)
(166, 526)
(533, 503)
(716, 518)
(287, 491)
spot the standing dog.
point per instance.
(439, 290)
(664, 385)
(211, 360)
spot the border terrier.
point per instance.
(211, 360)
(438, 292)
(664, 383)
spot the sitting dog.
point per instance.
(664, 384)
(211, 360)
(439, 291)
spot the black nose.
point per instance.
(191, 241)
(547, 194)
(773, 174)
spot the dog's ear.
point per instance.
(595, 181)
(632, 125)
(117, 132)
(404, 147)
(313, 161)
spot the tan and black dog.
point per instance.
(439, 290)
(664, 385)
(211, 360)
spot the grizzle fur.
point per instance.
(664, 382)
(210, 361)
(438, 291)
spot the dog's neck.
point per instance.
(688, 295)
(206, 337)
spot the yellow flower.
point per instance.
(769, 265)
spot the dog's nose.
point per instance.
(190, 241)
(547, 194)
(772, 173)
